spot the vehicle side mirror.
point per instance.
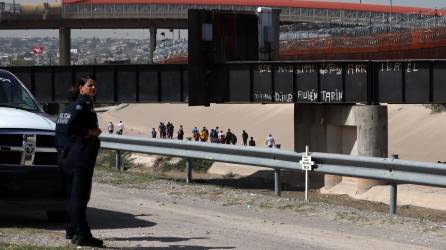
(51, 108)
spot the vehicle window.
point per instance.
(13, 94)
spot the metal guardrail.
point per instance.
(256, 156)
(387, 169)
(393, 170)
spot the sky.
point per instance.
(144, 34)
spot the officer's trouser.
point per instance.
(77, 170)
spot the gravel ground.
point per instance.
(165, 214)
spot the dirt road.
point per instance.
(202, 217)
(168, 215)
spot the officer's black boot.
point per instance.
(69, 234)
(70, 231)
(87, 240)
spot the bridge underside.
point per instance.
(347, 82)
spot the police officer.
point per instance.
(77, 142)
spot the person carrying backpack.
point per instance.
(233, 139)
(252, 142)
(214, 136)
(204, 135)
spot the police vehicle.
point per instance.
(29, 175)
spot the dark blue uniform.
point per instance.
(77, 158)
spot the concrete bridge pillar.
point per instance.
(64, 46)
(342, 129)
(152, 45)
(372, 132)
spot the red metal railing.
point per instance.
(401, 41)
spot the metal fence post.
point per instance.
(277, 182)
(188, 170)
(118, 160)
(393, 194)
(393, 197)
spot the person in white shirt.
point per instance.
(270, 141)
(110, 127)
(120, 128)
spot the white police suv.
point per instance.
(29, 175)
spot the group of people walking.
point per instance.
(111, 128)
(204, 135)
(215, 136)
(164, 130)
(167, 131)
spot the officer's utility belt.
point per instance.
(63, 151)
(78, 139)
(85, 140)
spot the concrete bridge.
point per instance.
(145, 13)
(151, 14)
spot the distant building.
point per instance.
(116, 61)
(4, 59)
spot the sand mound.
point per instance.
(416, 134)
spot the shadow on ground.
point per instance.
(160, 239)
(98, 219)
(264, 179)
(183, 247)
(165, 239)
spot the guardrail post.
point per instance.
(277, 182)
(393, 194)
(118, 161)
(188, 170)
